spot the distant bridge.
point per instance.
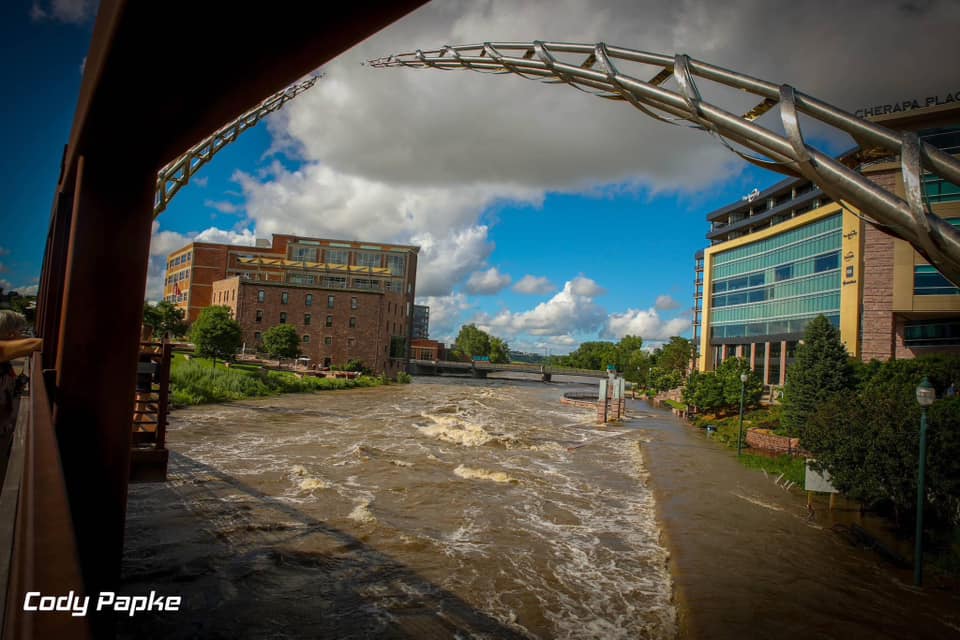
(480, 369)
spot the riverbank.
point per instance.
(197, 381)
(748, 559)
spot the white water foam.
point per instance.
(483, 474)
(453, 429)
(361, 513)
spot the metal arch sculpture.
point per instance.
(909, 219)
(175, 175)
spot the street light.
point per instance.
(925, 397)
(743, 388)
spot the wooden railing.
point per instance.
(38, 550)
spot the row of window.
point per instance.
(927, 281)
(394, 262)
(177, 277)
(800, 306)
(307, 299)
(926, 333)
(825, 278)
(307, 319)
(819, 227)
(181, 259)
(327, 340)
(178, 297)
(784, 326)
(800, 250)
(225, 296)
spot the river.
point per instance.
(458, 508)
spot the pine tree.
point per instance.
(820, 371)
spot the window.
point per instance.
(927, 281)
(932, 333)
(283, 317)
(396, 264)
(328, 341)
(308, 300)
(306, 338)
(353, 322)
(351, 342)
(284, 297)
(783, 273)
(329, 322)
(305, 254)
(329, 302)
(365, 283)
(334, 282)
(306, 318)
(259, 315)
(301, 278)
(256, 336)
(353, 303)
(261, 295)
(369, 260)
(336, 256)
(827, 262)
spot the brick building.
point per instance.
(347, 300)
(789, 253)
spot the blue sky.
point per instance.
(502, 182)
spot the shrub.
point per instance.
(404, 378)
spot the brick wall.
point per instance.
(877, 321)
(768, 441)
(209, 265)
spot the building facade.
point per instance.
(781, 257)
(347, 300)
(421, 321)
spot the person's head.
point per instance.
(12, 324)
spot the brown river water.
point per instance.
(458, 508)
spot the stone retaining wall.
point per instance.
(766, 440)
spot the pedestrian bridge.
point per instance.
(480, 369)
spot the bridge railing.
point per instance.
(38, 550)
(528, 368)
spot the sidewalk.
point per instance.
(746, 562)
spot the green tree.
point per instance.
(282, 341)
(719, 391)
(676, 356)
(592, 355)
(216, 334)
(820, 371)
(499, 350)
(472, 341)
(165, 317)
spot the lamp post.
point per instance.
(743, 388)
(925, 397)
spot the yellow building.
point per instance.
(788, 254)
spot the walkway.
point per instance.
(747, 564)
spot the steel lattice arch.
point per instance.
(908, 218)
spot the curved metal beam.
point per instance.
(176, 175)
(596, 72)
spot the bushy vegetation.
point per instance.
(719, 391)
(216, 334)
(659, 370)
(198, 381)
(868, 437)
(404, 378)
(792, 467)
(165, 318)
(473, 342)
(281, 341)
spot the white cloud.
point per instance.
(571, 310)
(201, 181)
(5, 284)
(69, 11)
(445, 315)
(487, 282)
(29, 290)
(644, 323)
(223, 206)
(445, 260)
(666, 302)
(534, 285)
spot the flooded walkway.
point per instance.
(746, 562)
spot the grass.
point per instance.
(680, 406)
(792, 467)
(728, 429)
(196, 381)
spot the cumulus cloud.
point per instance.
(5, 284)
(487, 282)
(68, 11)
(644, 323)
(666, 303)
(446, 314)
(29, 290)
(534, 285)
(571, 310)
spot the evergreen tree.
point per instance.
(820, 371)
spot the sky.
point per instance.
(543, 214)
